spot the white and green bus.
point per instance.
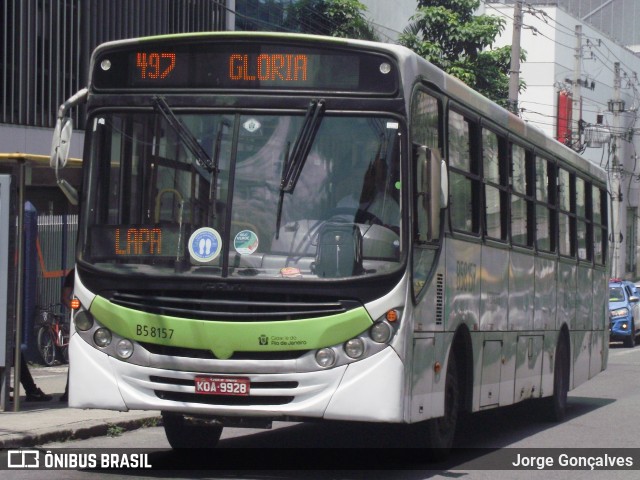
(289, 227)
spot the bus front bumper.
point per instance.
(368, 390)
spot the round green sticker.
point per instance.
(245, 242)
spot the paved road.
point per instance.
(604, 416)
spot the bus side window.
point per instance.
(545, 211)
(583, 225)
(494, 161)
(464, 178)
(566, 214)
(600, 233)
(522, 224)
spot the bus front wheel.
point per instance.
(190, 432)
(440, 432)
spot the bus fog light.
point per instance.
(354, 347)
(326, 357)
(83, 321)
(102, 337)
(381, 332)
(124, 348)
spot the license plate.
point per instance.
(237, 386)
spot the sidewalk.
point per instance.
(38, 423)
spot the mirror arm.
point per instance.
(72, 101)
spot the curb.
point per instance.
(80, 433)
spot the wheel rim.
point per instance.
(47, 347)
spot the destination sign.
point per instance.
(243, 65)
(130, 241)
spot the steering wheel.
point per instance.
(344, 214)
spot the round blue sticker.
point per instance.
(205, 245)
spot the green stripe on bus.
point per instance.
(224, 338)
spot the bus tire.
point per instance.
(556, 405)
(190, 432)
(440, 432)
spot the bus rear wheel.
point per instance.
(190, 432)
(556, 405)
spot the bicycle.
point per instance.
(53, 334)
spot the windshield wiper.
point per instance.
(294, 162)
(189, 140)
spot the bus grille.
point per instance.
(243, 308)
(208, 354)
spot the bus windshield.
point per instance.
(204, 194)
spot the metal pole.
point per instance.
(19, 290)
(616, 201)
(577, 113)
(514, 69)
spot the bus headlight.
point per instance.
(124, 348)
(102, 337)
(381, 332)
(83, 321)
(354, 348)
(326, 357)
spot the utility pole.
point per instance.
(514, 69)
(577, 99)
(615, 107)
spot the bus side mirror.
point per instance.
(434, 188)
(61, 143)
(60, 155)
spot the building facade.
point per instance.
(47, 45)
(618, 19)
